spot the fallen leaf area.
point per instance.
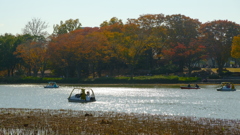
(62, 122)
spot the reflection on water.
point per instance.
(206, 102)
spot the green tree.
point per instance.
(66, 27)
(112, 21)
(8, 60)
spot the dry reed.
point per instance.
(69, 122)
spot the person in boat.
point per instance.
(88, 96)
(227, 85)
(189, 85)
(197, 86)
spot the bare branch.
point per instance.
(36, 27)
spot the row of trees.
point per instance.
(150, 42)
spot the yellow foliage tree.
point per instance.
(235, 52)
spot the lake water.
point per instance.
(206, 102)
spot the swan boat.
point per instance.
(82, 95)
(52, 85)
(227, 86)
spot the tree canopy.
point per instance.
(148, 42)
(66, 27)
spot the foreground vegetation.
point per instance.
(62, 122)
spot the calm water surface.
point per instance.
(206, 102)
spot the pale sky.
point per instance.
(14, 14)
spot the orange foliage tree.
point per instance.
(34, 54)
(78, 50)
(99, 51)
(61, 52)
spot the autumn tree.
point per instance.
(154, 30)
(217, 36)
(37, 29)
(235, 52)
(191, 53)
(130, 45)
(61, 53)
(71, 51)
(181, 31)
(112, 30)
(98, 55)
(33, 52)
(88, 46)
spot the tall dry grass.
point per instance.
(68, 122)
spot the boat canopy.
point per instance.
(228, 85)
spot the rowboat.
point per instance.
(185, 87)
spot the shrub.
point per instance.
(189, 79)
(170, 68)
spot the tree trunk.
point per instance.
(181, 66)
(67, 72)
(8, 72)
(35, 72)
(131, 71)
(42, 73)
(78, 71)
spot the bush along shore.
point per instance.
(104, 80)
(63, 122)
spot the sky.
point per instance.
(15, 14)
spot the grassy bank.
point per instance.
(105, 80)
(62, 122)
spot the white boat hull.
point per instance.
(51, 86)
(225, 89)
(79, 100)
(79, 95)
